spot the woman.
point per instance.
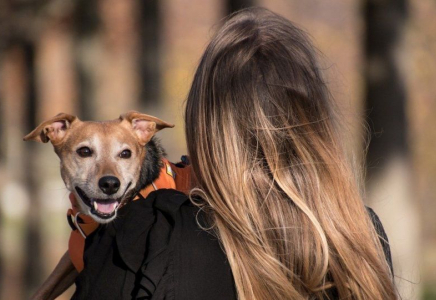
(274, 188)
(263, 144)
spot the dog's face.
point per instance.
(100, 161)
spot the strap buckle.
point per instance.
(73, 220)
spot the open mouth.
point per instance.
(103, 208)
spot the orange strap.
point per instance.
(172, 176)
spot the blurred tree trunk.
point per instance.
(187, 26)
(421, 78)
(235, 5)
(85, 30)
(33, 258)
(55, 71)
(56, 92)
(2, 173)
(15, 94)
(150, 53)
(116, 58)
(389, 165)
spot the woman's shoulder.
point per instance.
(384, 241)
(200, 269)
(192, 236)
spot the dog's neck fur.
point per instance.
(151, 166)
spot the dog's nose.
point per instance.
(109, 184)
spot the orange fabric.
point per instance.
(171, 177)
(184, 178)
(76, 243)
(76, 247)
(164, 181)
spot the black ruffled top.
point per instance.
(182, 261)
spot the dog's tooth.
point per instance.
(95, 205)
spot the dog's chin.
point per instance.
(101, 210)
(104, 220)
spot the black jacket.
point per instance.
(182, 262)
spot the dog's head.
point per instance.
(100, 161)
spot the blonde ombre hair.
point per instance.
(271, 171)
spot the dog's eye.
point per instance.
(84, 152)
(126, 154)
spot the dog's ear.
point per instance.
(53, 130)
(144, 126)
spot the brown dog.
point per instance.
(105, 164)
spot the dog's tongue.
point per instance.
(106, 208)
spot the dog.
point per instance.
(104, 165)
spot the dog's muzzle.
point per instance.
(102, 208)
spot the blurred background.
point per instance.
(101, 58)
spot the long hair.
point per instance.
(271, 170)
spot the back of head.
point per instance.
(261, 133)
